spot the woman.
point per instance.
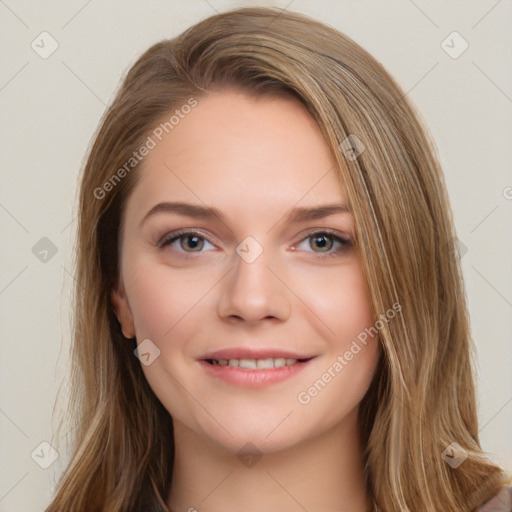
(270, 312)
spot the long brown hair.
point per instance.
(422, 398)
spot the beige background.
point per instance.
(51, 107)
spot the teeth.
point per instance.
(264, 364)
(256, 364)
(247, 363)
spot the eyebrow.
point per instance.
(295, 215)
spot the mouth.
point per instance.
(268, 363)
(254, 369)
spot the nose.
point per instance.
(254, 291)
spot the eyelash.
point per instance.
(345, 245)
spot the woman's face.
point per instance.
(277, 280)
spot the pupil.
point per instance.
(193, 245)
(322, 237)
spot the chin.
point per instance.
(247, 443)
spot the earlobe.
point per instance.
(122, 311)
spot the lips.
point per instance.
(254, 368)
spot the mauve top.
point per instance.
(501, 501)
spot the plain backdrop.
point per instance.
(50, 109)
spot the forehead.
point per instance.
(241, 152)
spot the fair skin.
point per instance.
(253, 159)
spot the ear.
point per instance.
(123, 311)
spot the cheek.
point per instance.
(159, 301)
(150, 305)
(352, 352)
(341, 302)
(168, 307)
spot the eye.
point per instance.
(325, 240)
(188, 240)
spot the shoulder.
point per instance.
(500, 501)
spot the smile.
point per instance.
(254, 373)
(255, 364)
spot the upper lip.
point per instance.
(250, 353)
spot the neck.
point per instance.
(322, 473)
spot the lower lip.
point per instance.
(253, 378)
